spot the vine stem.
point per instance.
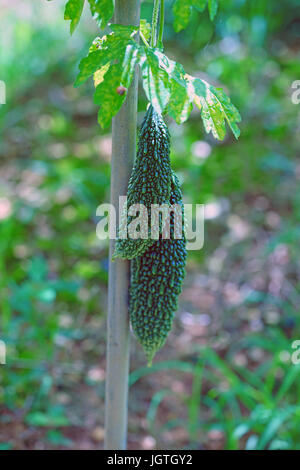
(123, 153)
(161, 24)
(154, 22)
(144, 39)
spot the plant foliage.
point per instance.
(113, 58)
(182, 11)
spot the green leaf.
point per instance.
(125, 29)
(155, 80)
(212, 8)
(174, 70)
(37, 418)
(102, 11)
(182, 10)
(106, 49)
(57, 438)
(107, 97)
(111, 92)
(73, 12)
(182, 14)
(130, 59)
(145, 29)
(278, 418)
(46, 295)
(181, 102)
(229, 110)
(216, 108)
(38, 269)
(211, 113)
(112, 60)
(199, 4)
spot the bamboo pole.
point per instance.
(123, 153)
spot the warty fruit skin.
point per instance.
(150, 180)
(156, 279)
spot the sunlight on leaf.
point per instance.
(107, 97)
(107, 49)
(112, 60)
(99, 75)
(145, 28)
(118, 76)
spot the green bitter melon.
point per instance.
(149, 183)
(156, 279)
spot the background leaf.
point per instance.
(182, 14)
(102, 11)
(107, 97)
(212, 7)
(199, 4)
(182, 10)
(73, 12)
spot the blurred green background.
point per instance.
(225, 379)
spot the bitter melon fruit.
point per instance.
(156, 279)
(150, 181)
